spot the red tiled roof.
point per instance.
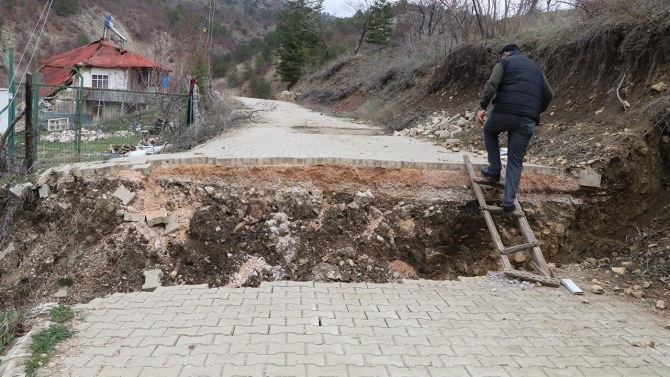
(101, 54)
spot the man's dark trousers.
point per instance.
(519, 130)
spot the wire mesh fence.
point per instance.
(85, 124)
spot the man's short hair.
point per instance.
(508, 48)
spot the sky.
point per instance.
(336, 8)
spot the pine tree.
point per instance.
(381, 23)
(301, 43)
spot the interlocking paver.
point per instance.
(416, 329)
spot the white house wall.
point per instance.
(118, 78)
(4, 116)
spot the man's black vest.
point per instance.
(520, 90)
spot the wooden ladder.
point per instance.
(543, 274)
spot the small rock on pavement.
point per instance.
(640, 344)
(585, 301)
(626, 264)
(62, 293)
(596, 289)
(638, 294)
(157, 217)
(660, 304)
(619, 270)
(152, 280)
(125, 195)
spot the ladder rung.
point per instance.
(499, 210)
(484, 181)
(517, 248)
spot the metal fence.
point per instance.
(85, 124)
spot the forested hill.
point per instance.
(165, 30)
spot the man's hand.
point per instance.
(480, 116)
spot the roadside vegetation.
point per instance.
(11, 321)
(44, 342)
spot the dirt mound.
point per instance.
(241, 226)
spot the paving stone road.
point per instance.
(473, 327)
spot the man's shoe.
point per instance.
(508, 210)
(489, 174)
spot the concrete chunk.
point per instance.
(171, 225)
(157, 217)
(62, 293)
(45, 177)
(589, 178)
(143, 168)
(45, 191)
(152, 280)
(19, 189)
(124, 194)
(133, 217)
(8, 249)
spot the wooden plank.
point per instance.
(540, 264)
(529, 276)
(487, 216)
(517, 248)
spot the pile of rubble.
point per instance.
(440, 125)
(443, 129)
(286, 96)
(86, 136)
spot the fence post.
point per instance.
(30, 130)
(12, 104)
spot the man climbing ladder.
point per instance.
(522, 93)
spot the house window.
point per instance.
(101, 81)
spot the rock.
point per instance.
(433, 257)
(639, 343)
(552, 266)
(133, 217)
(604, 260)
(380, 238)
(646, 285)
(660, 87)
(157, 217)
(152, 280)
(660, 305)
(62, 293)
(652, 344)
(412, 132)
(585, 301)
(351, 262)
(638, 294)
(519, 257)
(324, 259)
(341, 263)
(7, 251)
(19, 189)
(637, 272)
(239, 226)
(619, 270)
(354, 206)
(589, 178)
(452, 141)
(428, 231)
(407, 226)
(45, 191)
(628, 291)
(170, 226)
(209, 190)
(627, 264)
(591, 261)
(596, 289)
(303, 261)
(173, 274)
(125, 195)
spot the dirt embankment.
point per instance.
(239, 226)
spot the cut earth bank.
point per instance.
(238, 226)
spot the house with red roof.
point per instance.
(107, 71)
